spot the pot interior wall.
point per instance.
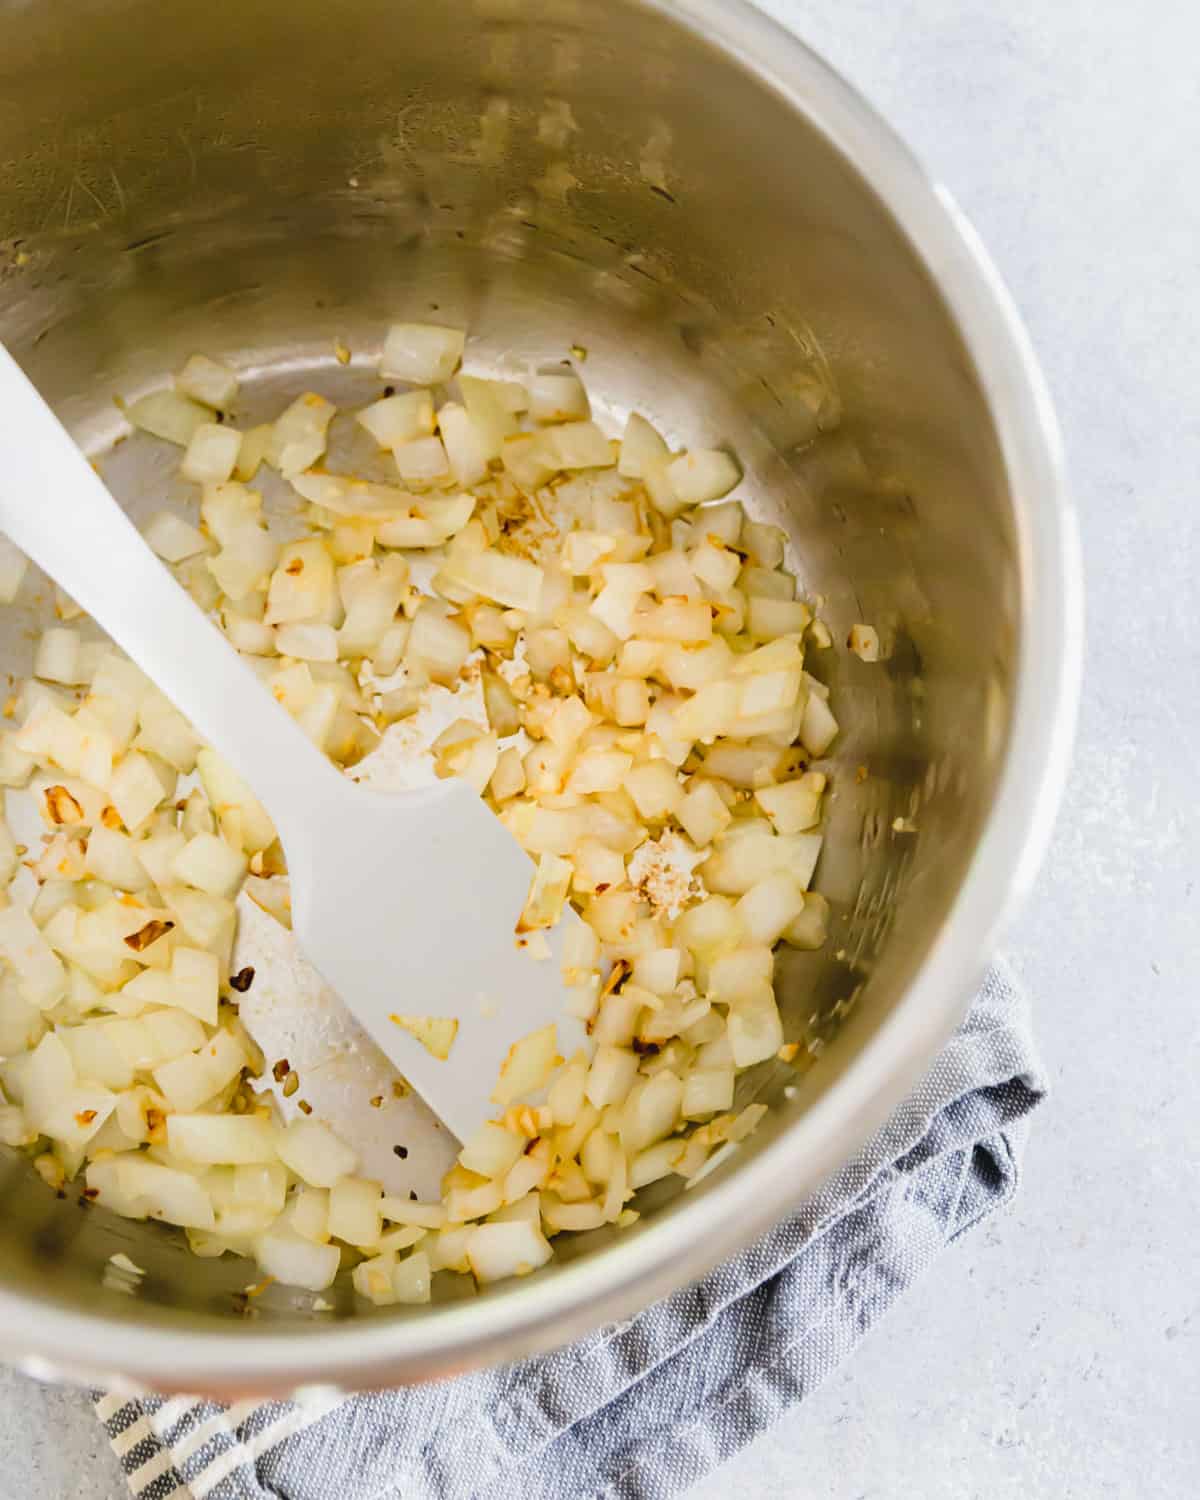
(256, 181)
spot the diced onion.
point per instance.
(40, 973)
(810, 928)
(172, 538)
(511, 581)
(734, 976)
(611, 1075)
(168, 415)
(492, 1150)
(497, 1251)
(212, 454)
(311, 1150)
(794, 806)
(307, 642)
(435, 1033)
(355, 1213)
(412, 1278)
(769, 907)
(299, 436)
(422, 353)
(638, 651)
(642, 448)
(399, 419)
(493, 406)
(558, 397)
(57, 658)
(528, 1066)
(422, 462)
(228, 1139)
(296, 1261)
(707, 1091)
(577, 445)
(468, 451)
(208, 381)
(819, 728)
(208, 863)
(755, 1031)
(702, 474)
(547, 894)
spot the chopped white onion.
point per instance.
(168, 415)
(57, 657)
(492, 1150)
(212, 454)
(497, 1251)
(511, 581)
(421, 353)
(577, 445)
(755, 1030)
(355, 1213)
(307, 642)
(468, 451)
(221, 1139)
(769, 907)
(558, 396)
(811, 927)
(643, 673)
(299, 436)
(399, 419)
(311, 1150)
(296, 1261)
(642, 448)
(41, 976)
(703, 474)
(528, 1066)
(422, 462)
(172, 538)
(493, 406)
(794, 806)
(210, 865)
(208, 381)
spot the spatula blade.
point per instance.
(409, 910)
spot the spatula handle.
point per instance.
(56, 508)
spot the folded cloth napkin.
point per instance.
(641, 1410)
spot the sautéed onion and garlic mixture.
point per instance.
(646, 733)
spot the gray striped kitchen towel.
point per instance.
(641, 1410)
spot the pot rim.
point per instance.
(524, 1318)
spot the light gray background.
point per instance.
(1057, 1352)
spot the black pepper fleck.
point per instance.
(401, 1152)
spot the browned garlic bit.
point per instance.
(622, 653)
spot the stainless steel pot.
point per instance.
(745, 251)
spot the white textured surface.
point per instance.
(1057, 1353)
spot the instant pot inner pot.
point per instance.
(258, 181)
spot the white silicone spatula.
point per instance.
(406, 903)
